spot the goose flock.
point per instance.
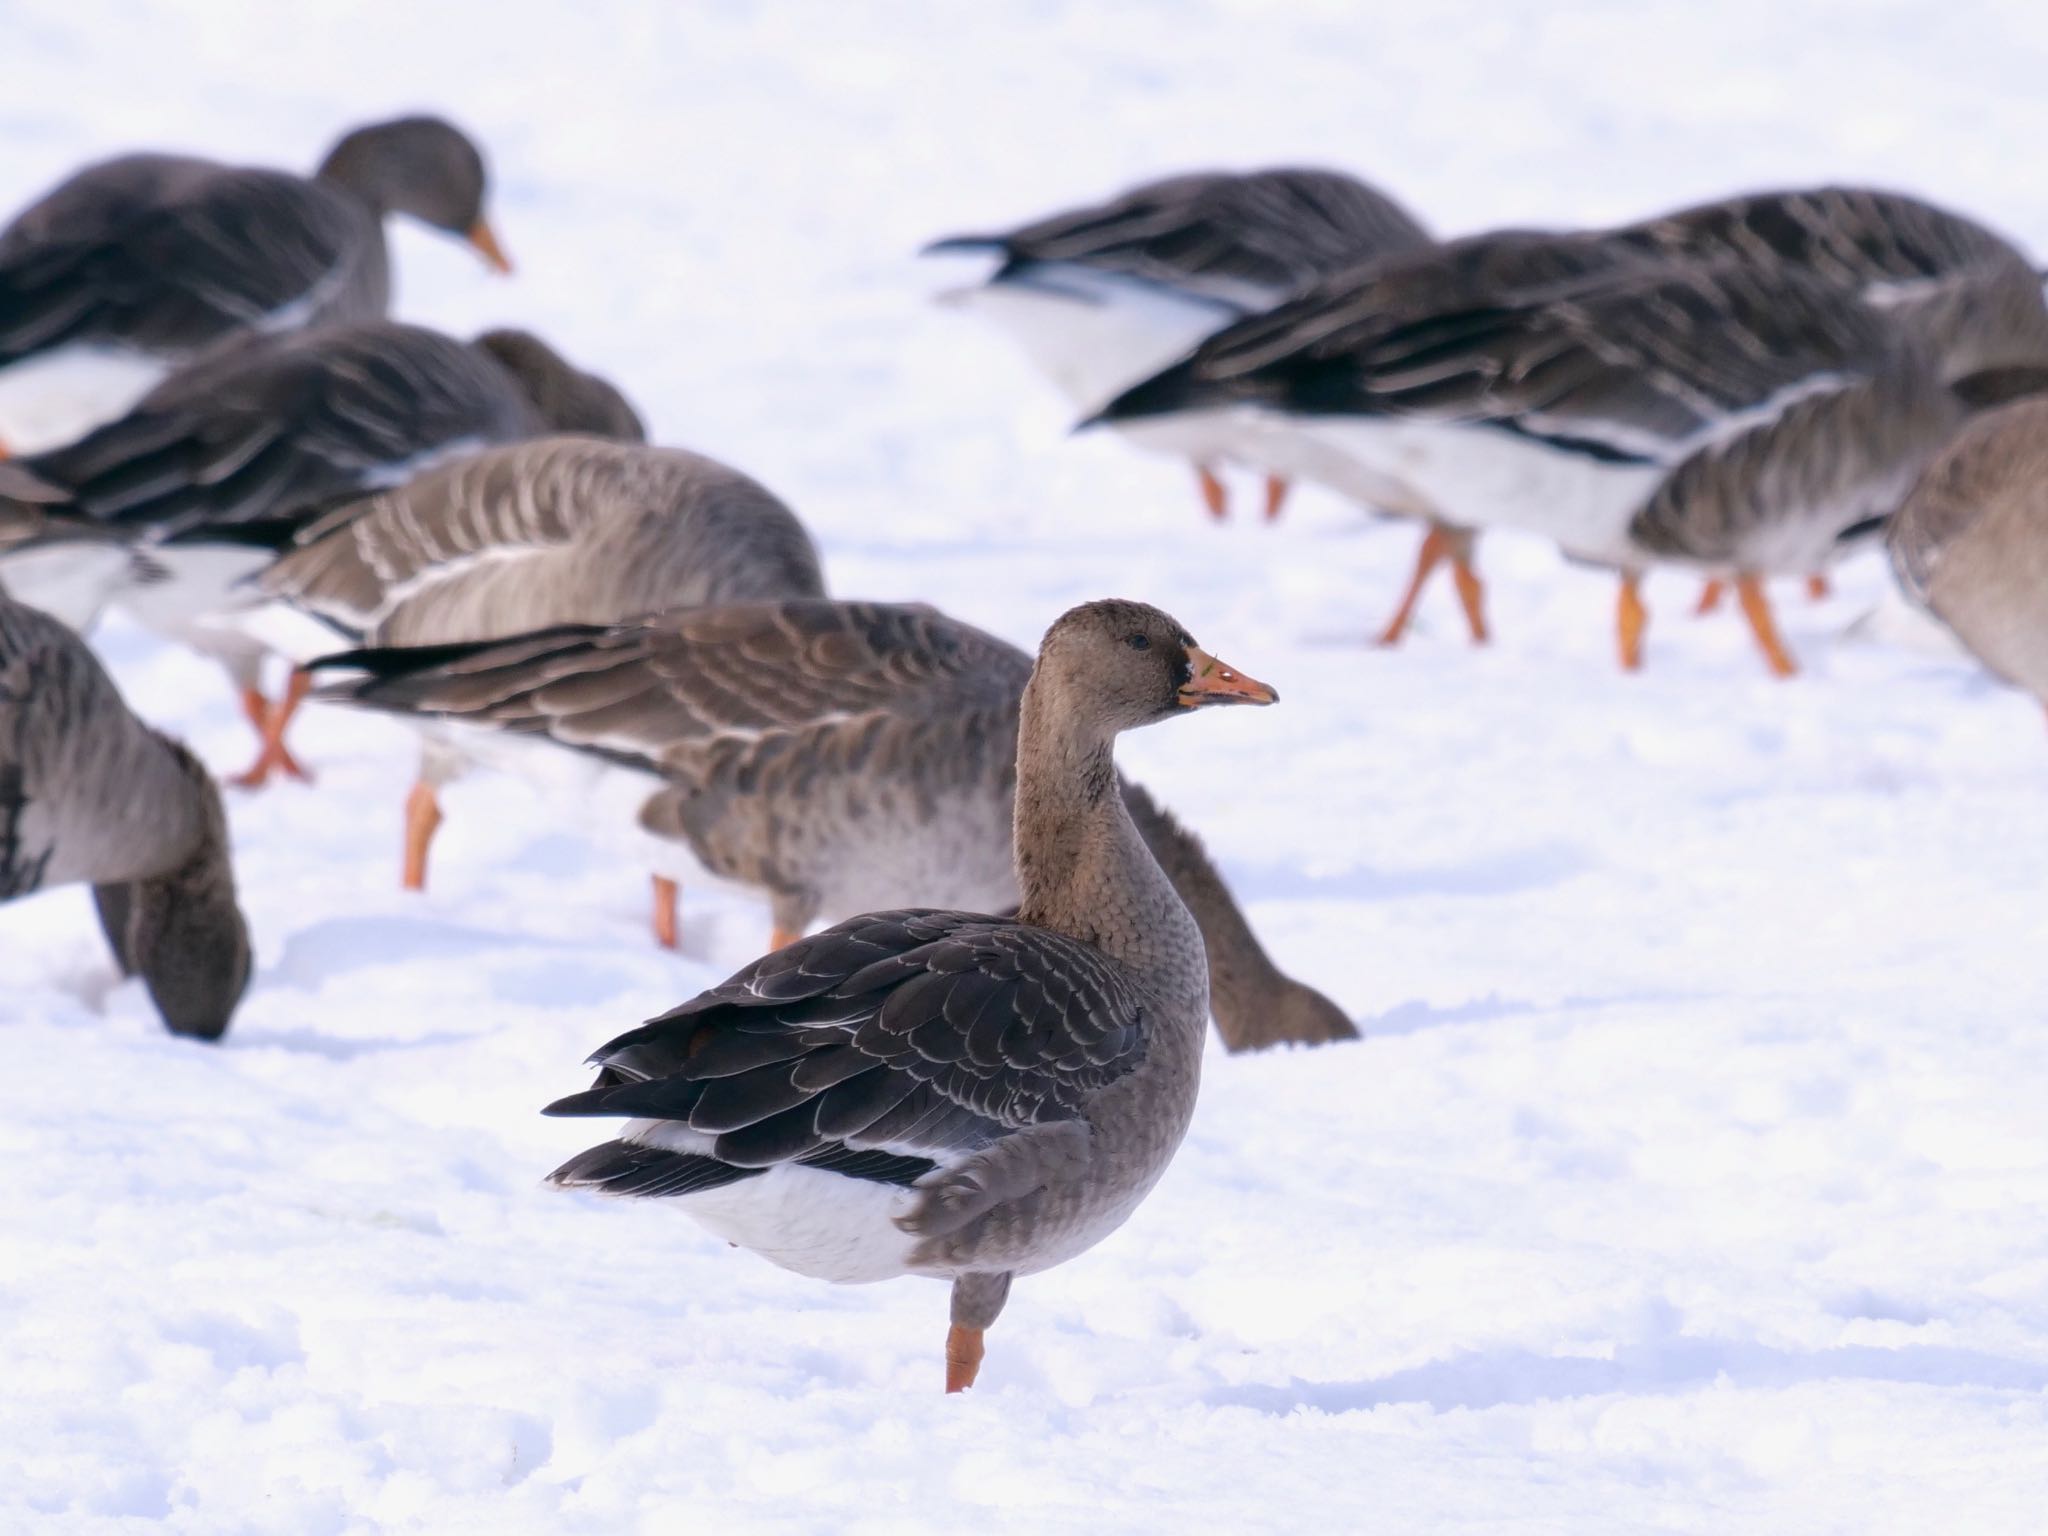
(990, 1052)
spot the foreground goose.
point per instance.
(1971, 543)
(1101, 296)
(836, 757)
(90, 793)
(137, 264)
(169, 509)
(559, 530)
(1385, 379)
(943, 1093)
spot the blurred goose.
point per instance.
(558, 530)
(947, 1093)
(90, 793)
(1965, 294)
(1971, 543)
(137, 264)
(1102, 296)
(167, 510)
(835, 756)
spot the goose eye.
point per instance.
(1138, 642)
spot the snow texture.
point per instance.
(1692, 1175)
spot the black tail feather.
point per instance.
(1165, 393)
(628, 1168)
(992, 245)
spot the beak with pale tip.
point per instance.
(485, 239)
(1211, 682)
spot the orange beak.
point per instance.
(485, 239)
(1214, 683)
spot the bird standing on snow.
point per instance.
(1502, 378)
(1102, 296)
(559, 530)
(135, 265)
(168, 510)
(836, 757)
(945, 1093)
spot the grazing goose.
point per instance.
(558, 530)
(945, 1093)
(169, 509)
(137, 264)
(837, 757)
(1966, 293)
(1099, 297)
(1971, 543)
(90, 793)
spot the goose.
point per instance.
(556, 530)
(834, 756)
(1966, 292)
(948, 1093)
(90, 793)
(135, 265)
(169, 509)
(1102, 296)
(1970, 545)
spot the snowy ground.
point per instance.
(1692, 1174)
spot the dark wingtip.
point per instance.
(591, 1101)
(970, 244)
(1161, 395)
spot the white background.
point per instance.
(1691, 1176)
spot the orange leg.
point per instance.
(1631, 618)
(1435, 545)
(1471, 591)
(1818, 587)
(1756, 607)
(781, 938)
(963, 1357)
(1215, 494)
(1277, 487)
(271, 721)
(1710, 596)
(422, 820)
(668, 928)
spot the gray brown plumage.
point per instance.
(1730, 387)
(1245, 238)
(255, 440)
(1970, 544)
(839, 757)
(949, 1093)
(554, 531)
(169, 509)
(166, 255)
(1101, 296)
(558, 530)
(88, 793)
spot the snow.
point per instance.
(1690, 1176)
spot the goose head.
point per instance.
(1115, 665)
(566, 398)
(422, 166)
(182, 931)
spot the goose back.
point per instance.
(553, 531)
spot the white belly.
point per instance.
(602, 797)
(1094, 334)
(820, 1224)
(72, 581)
(56, 397)
(1481, 478)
